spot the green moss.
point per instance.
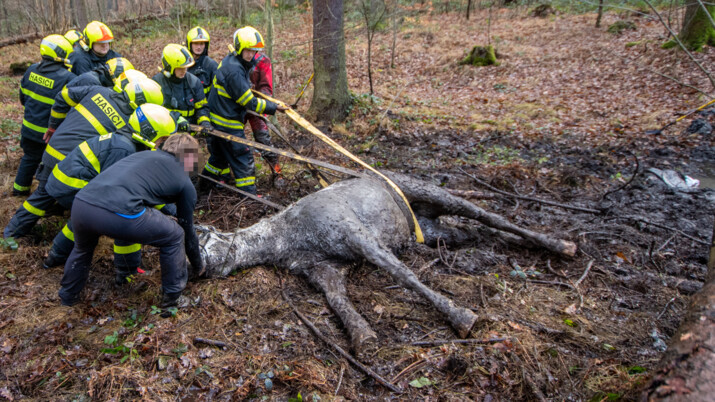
(631, 44)
(619, 26)
(481, 56)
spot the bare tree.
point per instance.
(331, 98)
(269, 28)
(373, 12)
(79, 14)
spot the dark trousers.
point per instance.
(28, 163)
(153, 228)
(237, 156)
(262, 135)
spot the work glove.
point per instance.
(182, 124)
(48, 135)
(206, 127)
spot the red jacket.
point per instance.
(262, 75)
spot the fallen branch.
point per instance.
(585, 272)
(222, 345)
(457, 341)
(658, 225)
(337, 348)
(521, 197)
(471, 194)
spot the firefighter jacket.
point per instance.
(184, 95)
(204, 69)
(142, 180)
(262, 74)
(81, 113)
(98, 76)
(83, 61)
(38, 88)
(231, 95)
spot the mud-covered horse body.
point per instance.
(355, 220)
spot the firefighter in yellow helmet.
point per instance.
(73, 36)
(94, 48)
(229, 99)
(183, 92)
(198, 40)
(38, 88)
(105, 76)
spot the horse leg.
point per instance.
(331, 281)
(461, 319)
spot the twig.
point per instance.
(457, 341)
(675, 37)
(553, 271)
(665, 308)
(417, 364)
(585, 272)
(677, 81)
(658, 225)
(629, 181)
(211, 342)
(555, 204)
(340, 381)
(340, 350)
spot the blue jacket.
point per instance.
(87, 61)
(204, 69)
(38, 88)
(185, 96)
(231, 95)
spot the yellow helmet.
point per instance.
(247, 38)
(126, 77)
(73, 36)
(118, 65)
(151, 122)
(97, 32)
(144, 91)
(197, 34)
(174, 56)
(56, 47)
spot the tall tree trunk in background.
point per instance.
(242, 11)
(79, 13)
(393, 17)
(269, 29)
(600, 13)
(4, 26)
(697, 28)
(469, 7)
(331, 98)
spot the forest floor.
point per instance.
(563, 118)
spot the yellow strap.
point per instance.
(132, 248)
(91, 157)
(203, 119)
(201, 103)
(57, 115)
(68, 233)
(33, 126)
(213, 169)
(67, 180)
(33, 210)
(313, 130)
(246, 181)
(66, 97)
(54, 153)
(19, 187)
(91, 119)
(37, 97)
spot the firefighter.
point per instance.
(146, 126)
(84, 112)
(183, 92)
(262, 81)
(105, 75)
(73, 36)
(114, 204)
(94, 48)
(198, 40)
(229, 99)
(38, 88)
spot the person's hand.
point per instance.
(48, 135)
(281, 107)
(182, 124)
(206, 127)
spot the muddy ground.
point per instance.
(548, 331)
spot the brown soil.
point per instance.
(559, 119)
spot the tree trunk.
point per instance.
(242, 11)
(394, 36)
(331, 98)
(688, 367)
(697, 28)
(269, 29)
(79, 14)
(469, 7)
(600, 13)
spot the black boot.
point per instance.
(53, 260)
(122, 275)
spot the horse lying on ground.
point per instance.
(354, 220)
